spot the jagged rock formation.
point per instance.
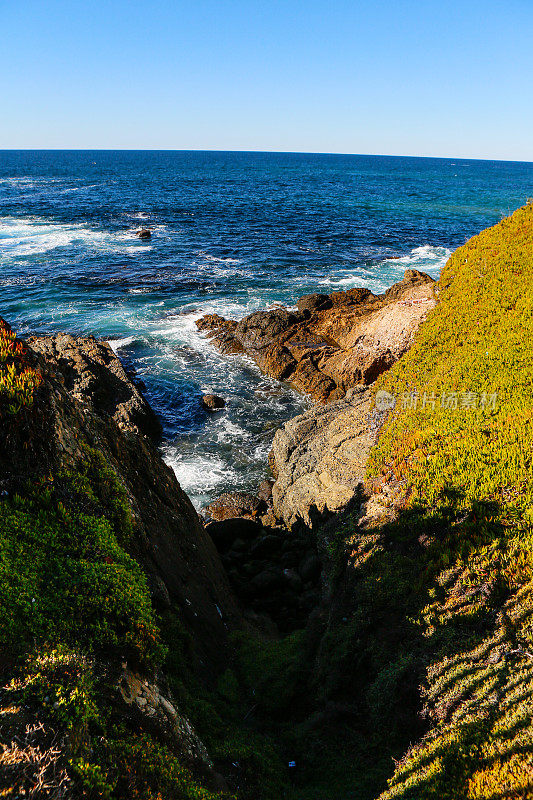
(332, 342)
(87, 400)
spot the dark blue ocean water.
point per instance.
(232, 232)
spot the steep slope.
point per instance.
(96, 538)
(464, 470)
(433, 582)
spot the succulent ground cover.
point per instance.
(458, 452)
(18, 379)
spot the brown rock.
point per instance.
(144, 233)
(333, 342)
(212, 402)
(222, 332)
(235, 504)
(95, 377)
(264, 491)
(313, 302)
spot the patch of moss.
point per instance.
(64, 578)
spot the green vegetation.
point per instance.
(64, 577)
(462, 472)
(73, 600)
(438, 595)
(18, 380)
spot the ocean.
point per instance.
(232, 233)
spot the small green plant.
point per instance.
(18, 380)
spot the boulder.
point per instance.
(320, 459)
(266, 547)
(222, 331)
(235, 504)
(225, 532)
(212, 402)
(310, 568)
(262, 328)
(144, 233)
(264, 491)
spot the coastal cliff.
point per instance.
(400, 510)
(98, 544)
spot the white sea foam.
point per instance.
(197, 475)
(217, 259)
(117, 344)
(228, 430)
(425, 258)
(33, 236)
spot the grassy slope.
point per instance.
(465, 478)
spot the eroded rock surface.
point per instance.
(94, 376)
(150, 707)
(319, 458)
(332, 342)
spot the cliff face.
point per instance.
(86, 401)
(319, 458)
(97, 539)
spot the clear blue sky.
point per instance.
(411, 77)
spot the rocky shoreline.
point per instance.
(331, 342)
(332, 348)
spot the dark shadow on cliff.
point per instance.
(355, 704)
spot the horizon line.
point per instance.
(261, 152)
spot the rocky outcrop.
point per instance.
(150, 708)
(235, 504)
(212, 402)
(86, 400)
(319, 458)
(332, 342)
(94, 376)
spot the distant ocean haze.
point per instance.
(231, 233)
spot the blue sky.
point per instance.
(411, 77)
